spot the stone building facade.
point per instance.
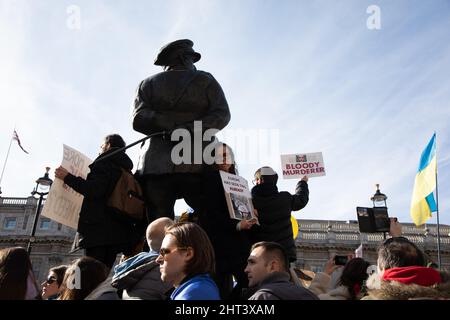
(317, 241)
(53, 240)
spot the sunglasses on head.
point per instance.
(50, 280)
(397, 239)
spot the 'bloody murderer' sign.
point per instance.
(295, 166)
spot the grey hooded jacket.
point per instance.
(142, 281)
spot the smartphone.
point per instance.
(340, 260)
(372, 220)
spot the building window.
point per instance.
(25, 222)
(316, 269)
(9, 223)
(59, 226)
(45, 224)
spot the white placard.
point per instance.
(238, 196)
(63, 204)
(295, 166)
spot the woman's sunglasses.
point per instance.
(50, 280)
(164, 251)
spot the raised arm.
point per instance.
(301, 197)
(96, 186)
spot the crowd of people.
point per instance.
(181, 265)
(205, 255)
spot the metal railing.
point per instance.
(13, 201)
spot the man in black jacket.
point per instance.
(100, 230)
(170, 100)
(274, 209)
(268, 275)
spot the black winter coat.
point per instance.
(277, 286)
(98, 225)
(231, 247)
(274, 214)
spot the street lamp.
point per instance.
(379, 201)
(42, 188)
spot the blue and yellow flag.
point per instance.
(422, 203)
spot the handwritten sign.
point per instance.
(63, 204)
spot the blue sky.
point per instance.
(307, 72)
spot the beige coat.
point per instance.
(322, 286)
(393, 290)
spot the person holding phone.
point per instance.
(341, 281)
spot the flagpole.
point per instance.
(437, 213)
(4, 164)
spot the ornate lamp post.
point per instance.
(379, 201)
(42, 188)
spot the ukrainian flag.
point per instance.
(422, 203)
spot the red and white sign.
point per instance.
(295, 166)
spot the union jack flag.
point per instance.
(16, 137)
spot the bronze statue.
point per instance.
(170, 100)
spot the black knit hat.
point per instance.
(171, 51)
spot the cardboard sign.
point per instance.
(63, 204)
(238, 196)
(295, 166)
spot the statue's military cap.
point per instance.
(171, 50)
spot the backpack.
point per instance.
(127, 197)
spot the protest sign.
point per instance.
(63, 204)
(238, 197)
(295, 166)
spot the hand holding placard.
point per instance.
(295, 166)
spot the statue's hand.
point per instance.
(166, 135)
